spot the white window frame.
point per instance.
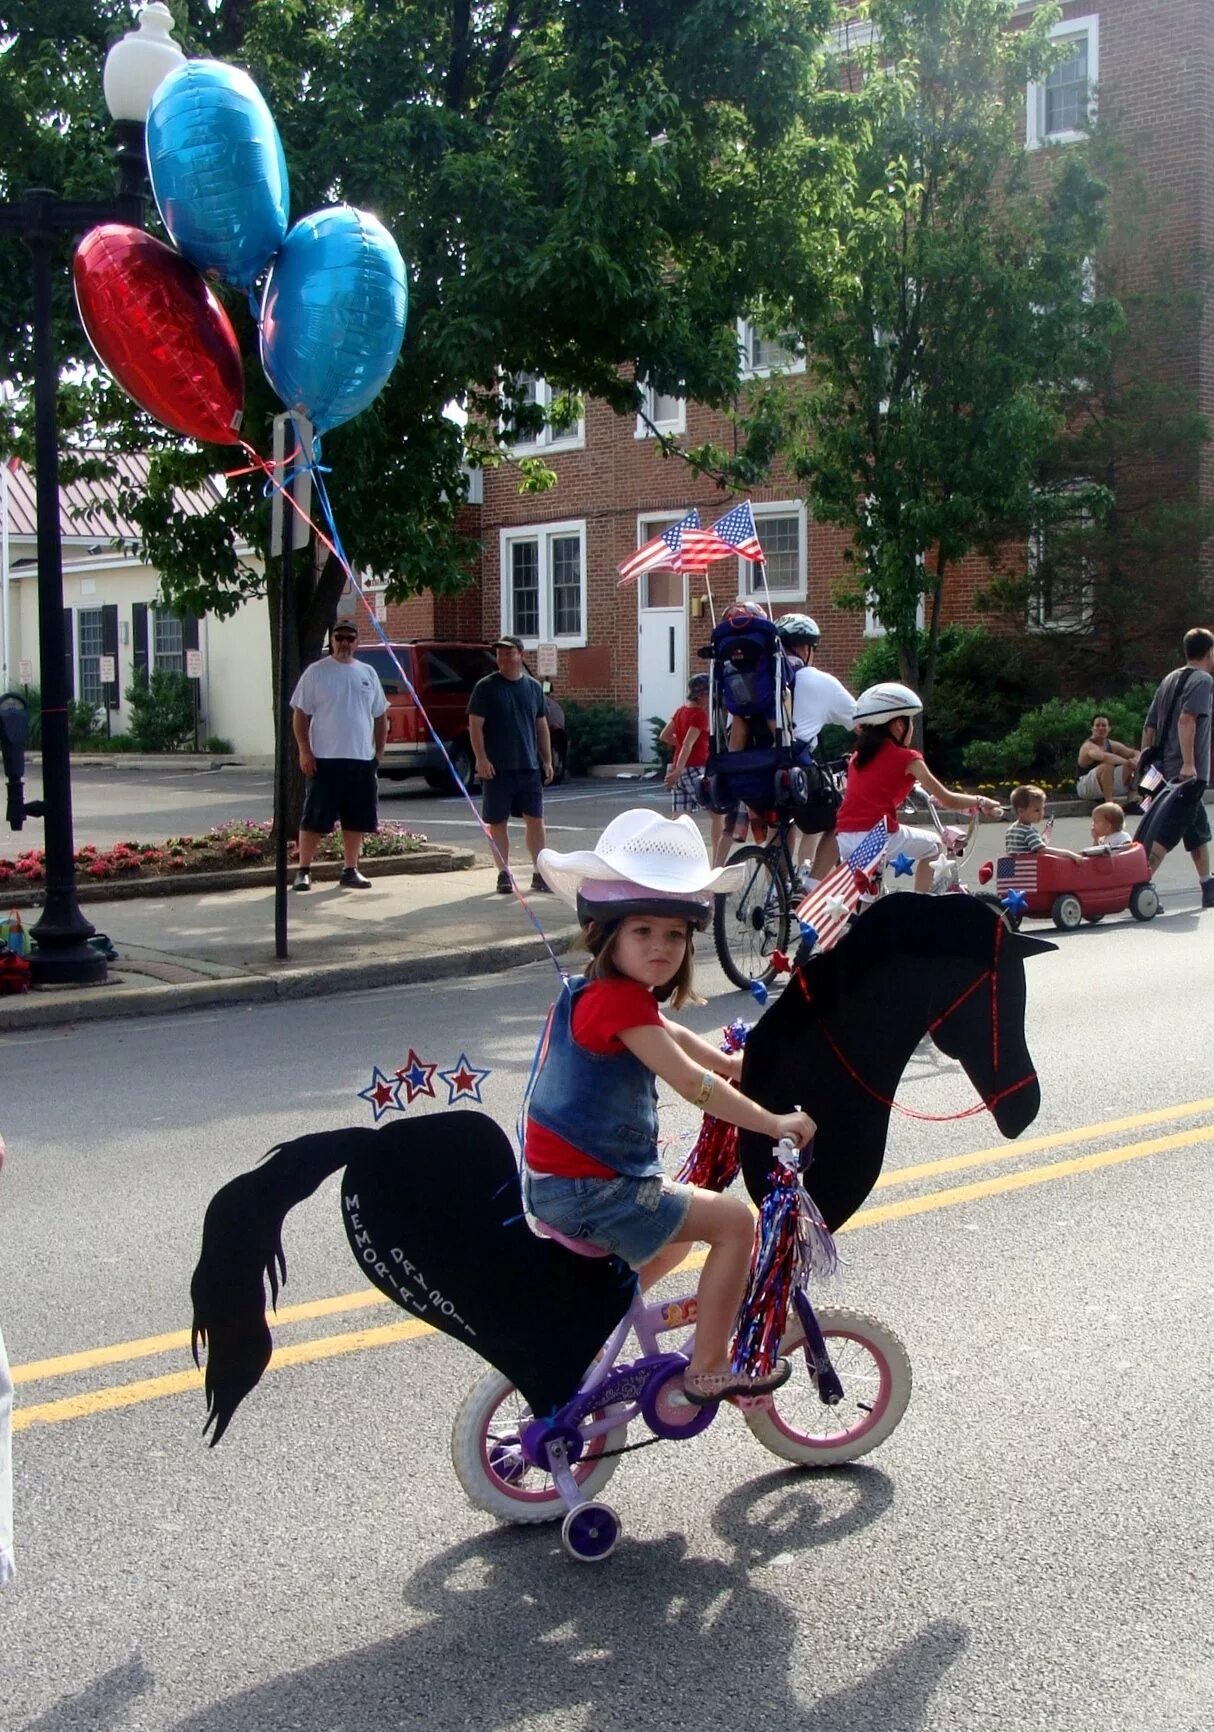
(550, 438)
(747, 336)
(873, 624)
(1035, 134)
(1075, 623)
(750, 583)
(677, 425)
(545, 534)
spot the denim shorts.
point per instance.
(632, 1218)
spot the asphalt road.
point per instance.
(1029, 1551)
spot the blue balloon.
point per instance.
(333, 315)
(217, 170)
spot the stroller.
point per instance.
(749, 682)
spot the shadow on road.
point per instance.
(102, 1705)
(516, 1632)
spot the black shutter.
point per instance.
(139, 637)
(69, 656)
(109, 647)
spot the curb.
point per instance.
(61, 1008)
(428, 859)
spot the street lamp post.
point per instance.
(133, 69)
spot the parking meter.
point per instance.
(14, 732)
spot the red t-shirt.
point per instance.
(683, 721)
(877, 788)
(601, 1011)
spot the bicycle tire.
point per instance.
(875, 1370)
(749, 923)
(489, 1464)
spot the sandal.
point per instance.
(706, 1388)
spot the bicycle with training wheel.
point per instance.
(850, 1387)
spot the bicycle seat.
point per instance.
(579, 1247)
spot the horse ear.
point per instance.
(1026, 946)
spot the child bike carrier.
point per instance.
(749, 680)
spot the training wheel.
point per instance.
(590, 1533)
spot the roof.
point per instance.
(88, 510)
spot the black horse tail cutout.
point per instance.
(241, 1250)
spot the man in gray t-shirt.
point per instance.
(508, 727)
(1182, 706)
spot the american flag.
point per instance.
(828, 904)
(735, 533)
(666, 550)
(1016, 872)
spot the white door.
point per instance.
(661, 652)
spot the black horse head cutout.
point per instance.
(839, 1038)
(431, 1205)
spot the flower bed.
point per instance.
(246, 843)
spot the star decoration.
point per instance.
(1016, 902)
(866, 883)
(903, 865)
(758, 992)
(463, 1081)
(835, 905)
(809, 933)
(382, 1094)
(780, 962)
(417, 1076)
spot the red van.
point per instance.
(443, 675)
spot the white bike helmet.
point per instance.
(798, 628)
(883, 703)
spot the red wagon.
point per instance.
(1068, 893)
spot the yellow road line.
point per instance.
(360, 1340)
(91, 1359)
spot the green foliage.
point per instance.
(982, 687)
(218, 746)
(85, 724)
(599, 734)
(665, 754)
(1044, 744)
(162, 711)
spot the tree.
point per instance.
(948, 364)
(587, 190)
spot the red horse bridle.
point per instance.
(989, 1102)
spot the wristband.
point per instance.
(707, 1084)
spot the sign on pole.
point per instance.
(545, 660)
(193, 664)
(107, 669)
(25, 672)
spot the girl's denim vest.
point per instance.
(605, 1104)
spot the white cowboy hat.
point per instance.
(639, 847)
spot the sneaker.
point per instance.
(1207, 892)
(538, 885)
(302, 880)
(352, 879)
(505, 884)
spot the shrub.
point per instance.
(1045, 742)
(162, 711)
(599, 734)
(662, 751)
(216, 744)
(84, 724)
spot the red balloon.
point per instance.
(157, 326)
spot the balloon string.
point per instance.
(332, 541)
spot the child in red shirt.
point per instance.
(883, 769)
(687, 732)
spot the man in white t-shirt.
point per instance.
(817, 698)
(340, 721)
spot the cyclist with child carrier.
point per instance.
(881, 773)
(818, 699)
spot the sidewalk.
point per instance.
(215, 948)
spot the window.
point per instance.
(781, 530)
(90, 647)
(1061, 578)
(668, 414)
(168, 651)
(873, 626)
(663, 587)
(1060, 108)
(544, 583)
(530, 388)
(762, 355)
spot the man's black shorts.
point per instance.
(1185, 819)
(345, 791)
(512, 794)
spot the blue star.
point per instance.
(903, 865)
(382, 1094)
(1016, 902)
(758, 992)
(463, 1081)
(417, 1077)
(809, 934)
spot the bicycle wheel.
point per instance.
(749, 923)
(875, 1371)
(489, 1462)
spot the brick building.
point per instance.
(548, 567)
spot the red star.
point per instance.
(383, 1094)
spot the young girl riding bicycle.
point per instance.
(592, 1171)
(881, 773)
